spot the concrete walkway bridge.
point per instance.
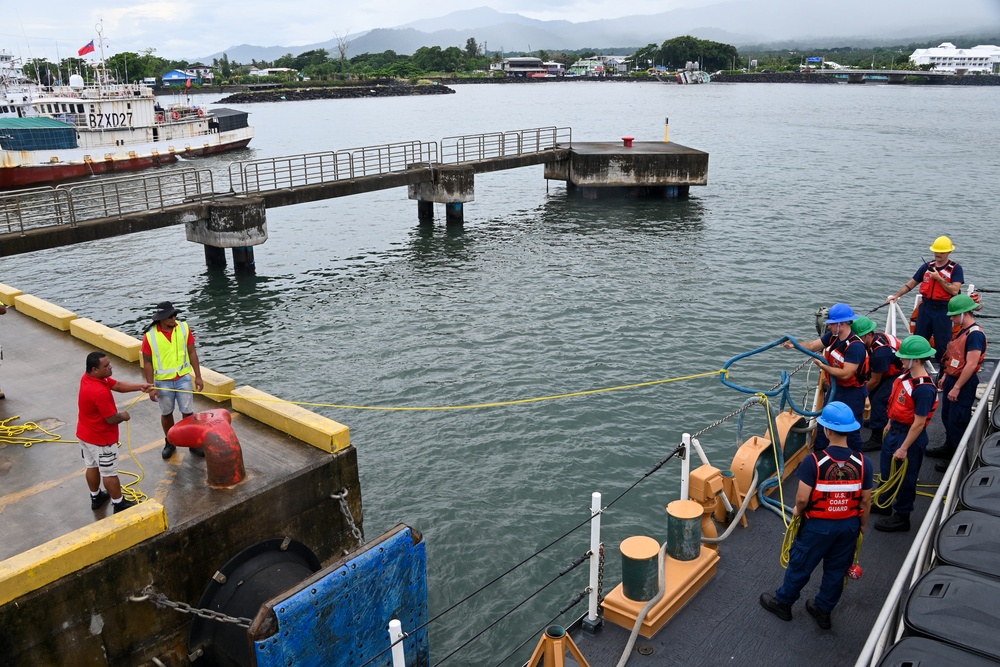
(233, 215)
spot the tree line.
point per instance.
(321, 65)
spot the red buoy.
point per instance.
(211, 432)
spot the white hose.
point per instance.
(739, 513)
(661, 579)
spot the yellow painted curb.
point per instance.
(105, 338)
(43, 311)
(296, 421)
(217, 383)
(7, 294)
(74, 551)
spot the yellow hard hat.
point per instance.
(942, 244)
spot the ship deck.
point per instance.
(43, 493)
(724, 624)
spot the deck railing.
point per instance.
(888, 627)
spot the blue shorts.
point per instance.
(184, 399)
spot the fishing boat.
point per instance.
(56, 133)
(269, 571)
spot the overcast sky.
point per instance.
(183, 29)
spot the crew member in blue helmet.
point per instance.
(833, 499)
(911, 407)
(939, 281)
(847, 365)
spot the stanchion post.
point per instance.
(592, 621)
(686, 466)
(395, 638)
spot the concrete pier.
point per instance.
(236, 222)
(644, 168)
(67, 572)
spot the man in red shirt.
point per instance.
(97, 430)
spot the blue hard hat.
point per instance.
(841, 312)
(839, 417)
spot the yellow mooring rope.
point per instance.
(12, 433)
(791, 532)
(885, 495)
(473, 406)
(131, 491)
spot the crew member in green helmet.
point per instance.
(884, 367)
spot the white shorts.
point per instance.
(104, 459)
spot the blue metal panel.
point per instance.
(342, 620)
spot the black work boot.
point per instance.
(822, 617)
(779, 609)
(897, 523)
(874, 441)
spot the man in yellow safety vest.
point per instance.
(169, 362)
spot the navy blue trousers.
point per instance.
(956, 415)
(827, 540)
(915, 457)
(854, 397)
(879, 399)
(933, 320)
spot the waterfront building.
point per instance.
(982, 59)
(600, 66)
(521, 66)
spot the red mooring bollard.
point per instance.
(628, 141)
(211, 432)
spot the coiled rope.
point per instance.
(885, 495)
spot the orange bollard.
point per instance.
(211, 432)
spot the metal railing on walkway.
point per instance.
(74, 203)
(475, 147)
(329, 166)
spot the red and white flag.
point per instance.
(87, 49)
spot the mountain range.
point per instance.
(739, 22)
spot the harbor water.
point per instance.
(816, 194)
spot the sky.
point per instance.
(181, 29)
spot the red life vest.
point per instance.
(835, 357)
(902, 409)
(954, 356)
(881, 339)
(837, 494)
(931, 289)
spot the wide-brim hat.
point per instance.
(164, 310)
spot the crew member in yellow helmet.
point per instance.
(939, 281)
(170, 362)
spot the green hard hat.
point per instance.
(862, 326)
(961, 303)
(915, 347)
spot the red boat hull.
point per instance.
(44, 174)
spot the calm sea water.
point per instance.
(817, 194)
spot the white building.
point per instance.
(982, 59)
(521, 66)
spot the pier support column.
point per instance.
(235, 222)
(215, 258)
(243, 260)
(453, 214)
(452, 186)
(425, 211)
